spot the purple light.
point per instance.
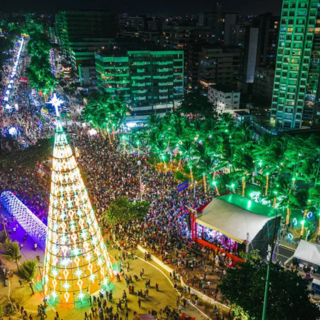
(35, 228)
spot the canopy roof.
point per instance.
(308, 251)
(235, 216)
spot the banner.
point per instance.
(183, 185)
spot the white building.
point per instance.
(224, 98)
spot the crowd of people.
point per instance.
(22, 120)
(108, 174)
(28, 185)
(164, 232)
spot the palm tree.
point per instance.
(281, 191)
(117, 109)
(28, 271)
(178, 128)
(300, 200)
(186, 150)
(314, 196)
(204, 164)
(298, 152)
(11, 251)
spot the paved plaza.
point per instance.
(166, 296)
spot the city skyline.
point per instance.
(250, 7)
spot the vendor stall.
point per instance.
(308, 253)
(234, 223)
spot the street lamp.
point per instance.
(139, 164)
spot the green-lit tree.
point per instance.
(38, 44)
(11, 251)
(197, 104)
(28, 272)
(104, 111)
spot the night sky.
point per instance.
(145, 6)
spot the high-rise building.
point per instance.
(229, 21)
(296, 95)
(214, 21)
(218, 65)
(74, 28)
(81, 33)
(149, 81)
(268, 39)
(263, 82)
(249, 55)
(190, 39)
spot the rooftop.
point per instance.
(242, 113)
(224, 88)
(249, 205)
(236, 217)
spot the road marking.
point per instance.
(281, 255)
(291, 249)
(173, 286)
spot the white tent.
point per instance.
(235, 216)
(309, 252)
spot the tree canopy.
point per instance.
(11, 251)
(122, 210)
(104, 111)
(40, 71)
(28, 270)
(197, 104)
(224, 155)
(287, 296)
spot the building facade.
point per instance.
(218, 65)
(223, 98)
(150, 81)
(84, 26)
(249, 55)
(81, 33)
(263, 82)
(295, 96)
(190, 39)
(268, 39)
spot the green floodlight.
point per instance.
(303, 222)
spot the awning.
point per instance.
(309, 252)
(235, 216)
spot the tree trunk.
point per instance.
(302, 227)
(243, 186)
(288, 214)
(30, 283)
(204, 184)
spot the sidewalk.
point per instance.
(204, 306)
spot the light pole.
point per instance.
(264, 311)
(194, 189)
(139, 164)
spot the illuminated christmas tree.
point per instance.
(76, 260)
